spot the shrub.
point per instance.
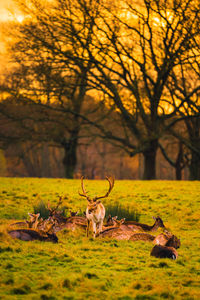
(43, 210)
(122, 212)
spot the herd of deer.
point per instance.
(45, 230)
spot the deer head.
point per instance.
(118, 223)
(34, 220)
(159, 222)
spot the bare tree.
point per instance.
(46, 77)
(137, 47)
(124, 51)
(185, 87)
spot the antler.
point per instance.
(53, 210)
(83, 189)
(111, 181)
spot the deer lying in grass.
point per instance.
(44, 234)
(144, 227)
(57, 215)
(163, 239)
(31, 235)
(39, 229)
(160, 251)
(118, 231)
(33, 221)
(95, 211)
(167, 239)
(73, 222)
(142, 236)
(77, 220)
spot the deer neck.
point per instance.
(154, 227)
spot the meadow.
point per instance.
(83, 268)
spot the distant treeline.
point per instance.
(98, 87)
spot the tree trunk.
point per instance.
(179, 162)
(150, 161)
(70, 155)
(194, 167)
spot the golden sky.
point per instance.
(8, 12)
(4, 6)
(7, 9)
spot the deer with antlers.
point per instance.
(95, 211)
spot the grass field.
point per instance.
(82, 268)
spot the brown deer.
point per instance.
(118, 231)
(144, 227)
(163, 239)
(33, 221)
(142, 236)
(160, 251)
(31, 235)
(77, 220)
(73, 222)
(109, 221)
(95, 211)
(56, 214)
(167, 239)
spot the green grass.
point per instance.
(82, 268)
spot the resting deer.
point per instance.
(56, 214)
(44, 232)
(73, 223)
(160, 251)
(163, 239)
(77, 219)
(95, 211)
(167, 239)
(144, 227)
(142, 236)
(33, 221)
(118, 231)
(31, 235)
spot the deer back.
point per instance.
(160, 251)
(31, 235)
(144, 227)
(142, 236)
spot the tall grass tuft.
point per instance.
(121, 212)
(42, 209)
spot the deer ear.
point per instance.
(99, 201)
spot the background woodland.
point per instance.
(99, 87)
